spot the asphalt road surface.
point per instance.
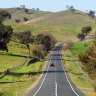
(55, 81)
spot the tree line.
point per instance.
(41, 43)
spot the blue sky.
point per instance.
(50, 5)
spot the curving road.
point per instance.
(55, 81)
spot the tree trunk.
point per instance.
(28, 49)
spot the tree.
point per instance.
(25, 19)
(81, 36)
(72, 9)
(17, 20)
(86, 30)
(26, 10)
(5, 36)
(37, 9)
(39, 51)
(45, 40)
(91, 13)
(4, 15)
(5, 31)
(22, 6)
(26, 38)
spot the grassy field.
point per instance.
(16, 55)
(16, 83)
(75, 72)
(64, 26)
(80, 47)
(61, 24)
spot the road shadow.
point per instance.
(6, 82)
(56, 59)
(15, 55)
(32, 73)
(33, 61)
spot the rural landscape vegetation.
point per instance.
(27, 36)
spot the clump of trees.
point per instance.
(25, 19)
(25, 38)
(71, 8)
(17, 20)
(43, 43)
(91, 13)
(39, 51)
(84, 32)
(89, 60)
(5, 31)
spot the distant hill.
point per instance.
(68, 18)
(60, 24)
(20, 13)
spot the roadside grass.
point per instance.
(74, 70)
(16, 83)
(16, 55)
(76, 74)
(80, 47)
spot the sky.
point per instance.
(50, 5)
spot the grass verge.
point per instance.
(76, 74)
(16, 82)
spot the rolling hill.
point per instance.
(60, 24)
(20, 13)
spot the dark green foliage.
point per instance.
(71, 8)
(81, 36)
(26, 10)
(46, 40)
(25, 18)
(17, 20)
(86, 29)
(91, 13)
(5, 31)
(26, 38)
(4, 15)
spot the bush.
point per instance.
(38, 51)
(17, 20)
(25, 19)
(67, 45)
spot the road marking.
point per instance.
(56, 89)
(43, 79)
(55, 80)
(67, 78)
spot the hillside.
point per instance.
(68, 18)
(60, 24)
(20, 13)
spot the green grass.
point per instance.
(12, 83)
(60, 24)
(80, 47)
(76, 74)
(14, 57)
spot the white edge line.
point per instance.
(68, 79)
(56, 88)
(43, 79)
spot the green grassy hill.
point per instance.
(60, 24)
(67, 18)
(20, 13)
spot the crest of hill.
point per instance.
(67, 18)
(20, 13)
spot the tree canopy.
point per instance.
(5, 31)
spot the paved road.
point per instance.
(55, 81)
